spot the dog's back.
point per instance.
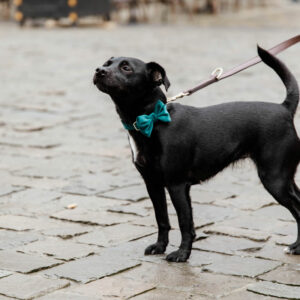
(209, 139)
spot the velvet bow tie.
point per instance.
(145, 123)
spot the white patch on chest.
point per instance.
(133, 147)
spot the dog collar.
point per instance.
(145, 123)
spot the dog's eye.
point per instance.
(126, 68)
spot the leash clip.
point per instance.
(219, 72)
(180, 95)
(135, 127)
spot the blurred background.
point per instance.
(98, 12)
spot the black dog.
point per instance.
(199, 143)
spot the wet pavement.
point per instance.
(74, 214)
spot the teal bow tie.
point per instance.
(145, 123)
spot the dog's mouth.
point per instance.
(100, 84)
(96, 79)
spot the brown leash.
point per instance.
(218, 74)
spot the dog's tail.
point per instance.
(288, 79)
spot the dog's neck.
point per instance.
(129, 109)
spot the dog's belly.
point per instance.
(207, 169)
(197, 166)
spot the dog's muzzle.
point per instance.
(100, 73)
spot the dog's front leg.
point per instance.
(181, 200)
(158, 197)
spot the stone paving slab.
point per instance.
(91, 184)
(275, 211)
(283, 240)
(31, 120)
(131, 193)
(134, 250)
(91, 268)
(8, 189)
(254, 235)
(242, 266)
(60, 249)
(32, 196)
(247, 295)
(227, 245)
(247, 201)
(288, 274)
(110, 287)
(258, 223)
(186, 279)
(201, 196)
(197, 258)
(42, 143)
(210, 213)
(276, 253)
(30, 202)
(110, 236)
(276, 290)
(30, 286)
(150, 221)
(14, 162)
(13, 239)
(89, 203)
(90, 217)
(24, 263)
(38, 183)
(4, 298)
(60, 295)
(43, 225)
(45, 170)
(4, 273)
(158, 293)
(77, 189)
(175, 236)
(286, 228)
(166, 294)
(141, 208)
(66, 230)
(20, 223)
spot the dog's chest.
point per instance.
(137, 154)
(134, 148)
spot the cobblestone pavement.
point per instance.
(74, 214)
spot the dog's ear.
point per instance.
(158, 74)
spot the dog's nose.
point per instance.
(101, 72)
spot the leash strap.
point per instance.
(218, 74)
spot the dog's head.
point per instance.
(125, 77)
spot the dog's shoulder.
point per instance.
(182, 119)
(180, 112)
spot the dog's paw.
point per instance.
(292, 249)
(179, 256)
(157, 248)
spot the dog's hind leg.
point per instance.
(295, 247)
(284, 190)
(181, 200)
